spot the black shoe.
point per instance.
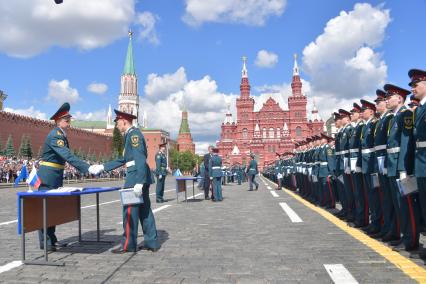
(389, 238)
(412, 248)
(250, 190)
(395, 243)
(142, 247)
(399, 247)
(420, 255)
(366, 228)
(377, 235)
(257, 187)
(207, 198)
(373, 232)
(49, 248)
(60, 245)
(160, 201)
(120, 251)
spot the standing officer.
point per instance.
(252, 171)
(399, 163)
(215, 173)
(51, 172)
(161, 172)
(138, 176)
(206, 160)
(338, 171)
(368, 170)
(324, 172)
(277, 171)
(418, 87)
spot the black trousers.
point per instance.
(206, 185)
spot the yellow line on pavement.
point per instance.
(406, 265)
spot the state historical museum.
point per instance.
(267, 131)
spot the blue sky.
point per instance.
(189, 51)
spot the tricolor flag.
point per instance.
(33, 179)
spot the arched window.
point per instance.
(298, 131)
(264, 132)
(278, 132)
(271, 133)
(245, 133)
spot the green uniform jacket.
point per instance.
(420, 136)
(252, 168)
(215, 166)
(161, 164)
(367, 145)
(56, 150)
(134, 150)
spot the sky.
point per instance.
(189, 53)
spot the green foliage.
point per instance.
(1, 147)
(29, 148)
(117, 143)
(25, 150)
(9, 151)
(185, 161)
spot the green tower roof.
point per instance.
(129, 66)
(184, 126)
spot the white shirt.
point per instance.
(423, 101)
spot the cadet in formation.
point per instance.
(56, 151)
(160, 172)
(138, 177)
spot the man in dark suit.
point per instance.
(206, 173)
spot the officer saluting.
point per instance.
(138, 176)
(51, 172)
(161, 172)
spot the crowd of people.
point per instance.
(10, 168)
(375, 166)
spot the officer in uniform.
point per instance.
(161, 172)
(399, 164)
(239, 171)
(368, 170)
(325, 171)
(206, 160)
(418, 87)
(215, 174)
(277, 171)
(338, 170)
(355, 161)
(138, 177)
(390, 227)
(252, 171)
(56, 151)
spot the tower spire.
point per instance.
(295, 67)
(129, 66)
(245, 85)
(296, 84)
(244, 71)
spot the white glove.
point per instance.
(348, 171)
(402, 175)
(160, 176)
(137, 189)
(211, 178)
(96, 169)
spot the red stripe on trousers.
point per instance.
(413, 223)
(382, 218)
(129, 214)
(331, 192)
(364, 191)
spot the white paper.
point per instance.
(314, 179)
(407, 185)
(345, 162)
(310, 171)
(65, 189)
(353, 164)
(381, 164)
(340, 178)
(279, 175)
(375, 180)
(128, 197)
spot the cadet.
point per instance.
(161, 172)
(324, 172)
(355, 160)
(138, 176)
(252, 171)
(277, 171)
(400, 156)
(51, 172)
(418, 87)
(239, 171)
(390, 228)
(215, 174)
(368, 170)
(338, 171)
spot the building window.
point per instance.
(298, 131)
(264, 132)
(278, 132)
(271, 133)
(245, 133)
(269, 149)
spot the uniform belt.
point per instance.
(338, 153)
(215, 168)
(52, 165)
(323, 163)
(129, 164)
(393, 150)
(421, 144)
(368, 151)
(354, 151)
(380, 147)
(344, 152)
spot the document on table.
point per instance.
(128, 197)
(407, 185)
(65, 189)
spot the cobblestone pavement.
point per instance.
(247, 238)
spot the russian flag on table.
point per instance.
(33, 180)
(22, 175)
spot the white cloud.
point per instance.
(266, 59)
(31, 111)
(249, 12)
(201, 147)
(342, 61)
(99, 115)
(30, 27)
(97, 88)
(147, 21)
(159, 87)
(61, 92)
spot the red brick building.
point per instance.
(269, 130)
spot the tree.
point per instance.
(117, 143)
(22, 152)
(29, 148)
(9, 151)
(1, 147)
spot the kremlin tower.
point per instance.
(184, 140)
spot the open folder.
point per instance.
(407, 185)
(128, 197)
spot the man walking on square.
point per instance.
(252, 171)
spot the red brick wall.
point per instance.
(19, 125)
